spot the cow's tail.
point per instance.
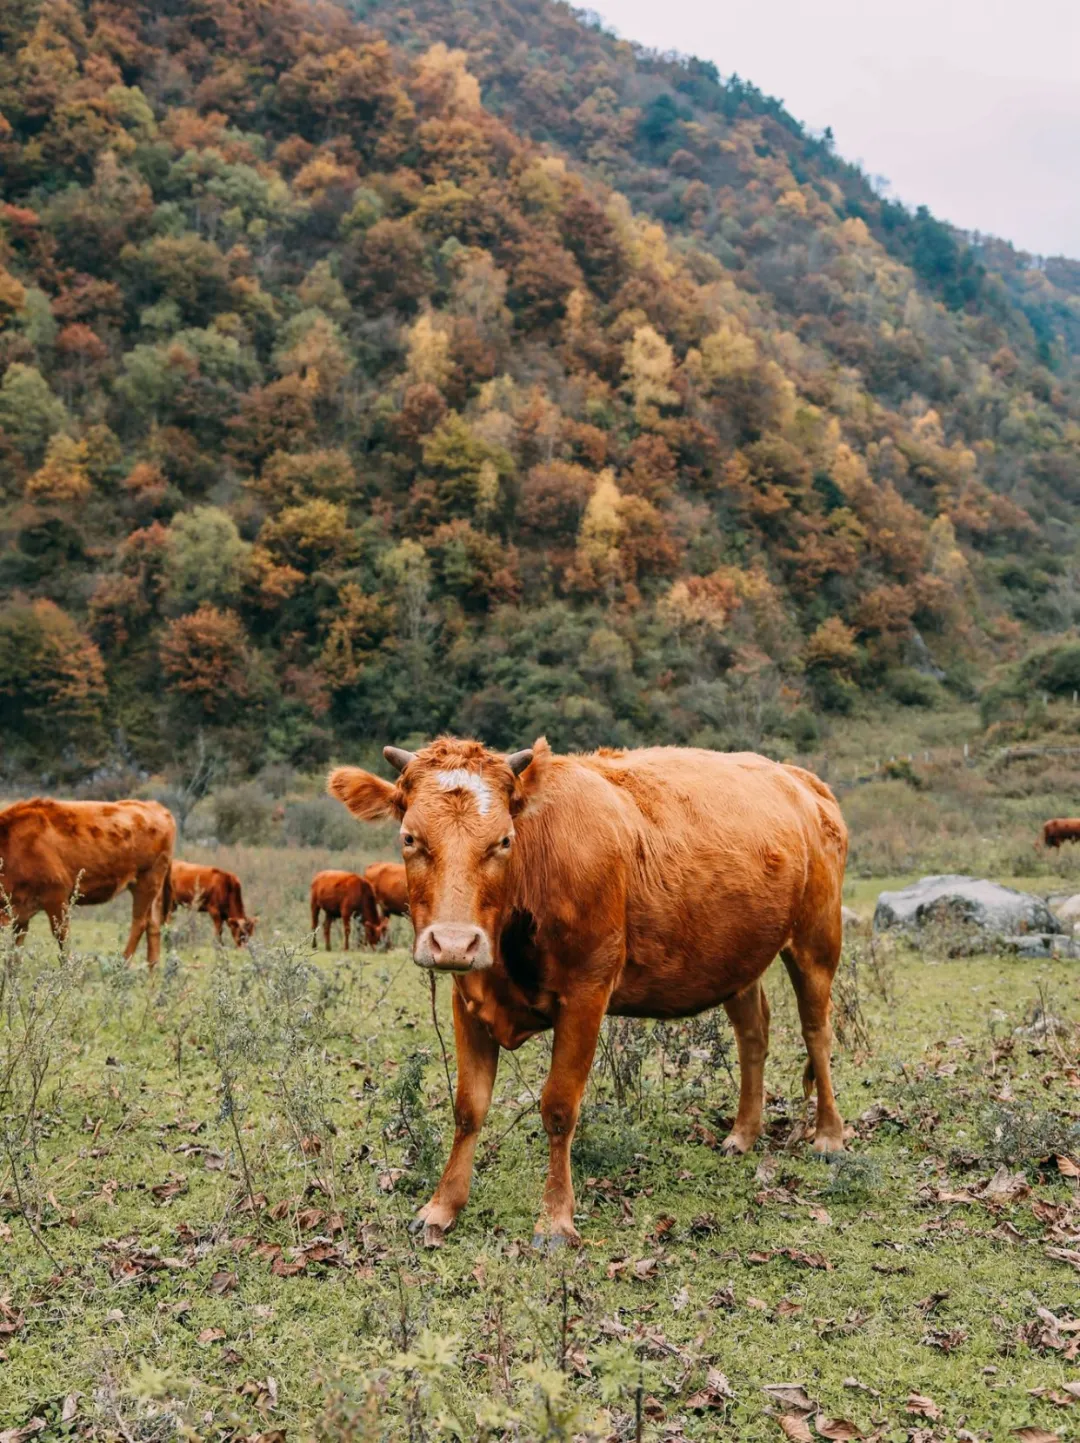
(167, 894)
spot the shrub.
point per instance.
(243, 814)
(319, 822)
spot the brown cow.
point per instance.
(344, 894)
(1061, 829)
(647, 884)
(390, 887)
(215, 892)
(51, 852)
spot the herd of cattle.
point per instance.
(57, 854)
(553, 889)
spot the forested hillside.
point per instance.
(353, 386)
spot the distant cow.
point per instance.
(344, 895)
(215, 892)
(1061, 829)
(657, 883)
(390, 887)
(53, 852)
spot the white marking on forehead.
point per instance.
(461, 780)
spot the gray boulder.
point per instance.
(974, 902)
(1042, 944)
(1066, 909)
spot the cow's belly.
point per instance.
(93, 892)
(680, 985)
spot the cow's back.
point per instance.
(98, 848)
(713, 857)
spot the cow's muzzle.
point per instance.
(452, 947)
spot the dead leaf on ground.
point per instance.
(1065, 1255)
(795, 1427)
(839, 1429)
(18, 1435)
(922, 1406)
(715, 1394)
(173, 1186)
(211, 1335)
(792, 1396)
(1035, 1435)
(223, 1282)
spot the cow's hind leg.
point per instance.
(346, 927)
(477, 1059)
(811, 965)
(315, 927)
(146, 909)
(749, 1013)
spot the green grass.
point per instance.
(339, 1082)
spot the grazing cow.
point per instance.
(390, 887)
(215, 892)
(1061, 829)
(52, 852)
(344, 894)
(646, 884)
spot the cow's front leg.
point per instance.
(576, 1033)
(477, 1061)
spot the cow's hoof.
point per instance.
(735, 1146)
(554, 1242)
(434, 1236)
(828, 1147)
(416, 1225)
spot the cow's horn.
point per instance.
(398, 757)
(518, 761)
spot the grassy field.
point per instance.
(209, 1175)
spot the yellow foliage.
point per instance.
(832, 646)
(444, 82)
(794, 202)
(649, 366)
(728, 354)
(12, 293)
(62, 476)
(428, 352)
(602, 524)
(943, 556)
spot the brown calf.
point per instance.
(1061, 829)
(215, 892)
(50, 851)
(647, 884)
(344, 894)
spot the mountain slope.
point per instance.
(334, 407)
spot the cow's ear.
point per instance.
(531, 778)
(368, 797)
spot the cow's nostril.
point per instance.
(473, 946)
(436, 945)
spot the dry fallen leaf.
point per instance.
(792, 1396)
(922, 1406)
(211, 1335)
(19, 1435)
(839, 1429)
(795, 1426)
(1035, 1435)
(223, 1282)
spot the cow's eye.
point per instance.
(505, 844)
(408, 840)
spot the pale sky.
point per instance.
(971, 107)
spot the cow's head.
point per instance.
(243, 929)
(456, 802)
